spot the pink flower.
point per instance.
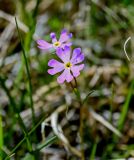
(61, 43)
(69, 65)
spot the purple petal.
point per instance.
(77, 56)
(76, 70)
(69, 76)
(64, 55)
(69, 44)
(54, 63)
(63, 31)
(53, 37)
(64, 37)
(67, 52)
(61, 78)
(76, 52)
(66, 75)
(54, 70)
(70, 35)
(66, 44)
(57, 66)
(43, 44)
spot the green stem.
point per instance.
(28, 74)
(76, 85)
(77, 93)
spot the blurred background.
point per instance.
(100, 28)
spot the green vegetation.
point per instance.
(41, 119)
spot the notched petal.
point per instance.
(64, 37)
(77, 56)
(76, 70)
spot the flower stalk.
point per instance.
(70, 64)
(78, 95)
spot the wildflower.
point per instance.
(61, 43)
(70, 66)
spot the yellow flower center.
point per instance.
(56, 44)
(68, 65)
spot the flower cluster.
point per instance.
(70, 63)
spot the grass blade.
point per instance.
(28, 73)
(46, 143)
(125, 107)
(92, 156)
